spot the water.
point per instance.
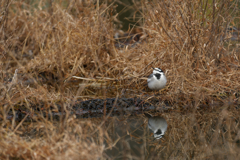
(131, 137)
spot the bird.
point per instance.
(157, 124)
(157, 80)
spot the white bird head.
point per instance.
(157, 70)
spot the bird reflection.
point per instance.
(157, 124)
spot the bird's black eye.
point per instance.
(158, 132)
(158, 75)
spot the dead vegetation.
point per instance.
(47, 43)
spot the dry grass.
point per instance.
(50, 44)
